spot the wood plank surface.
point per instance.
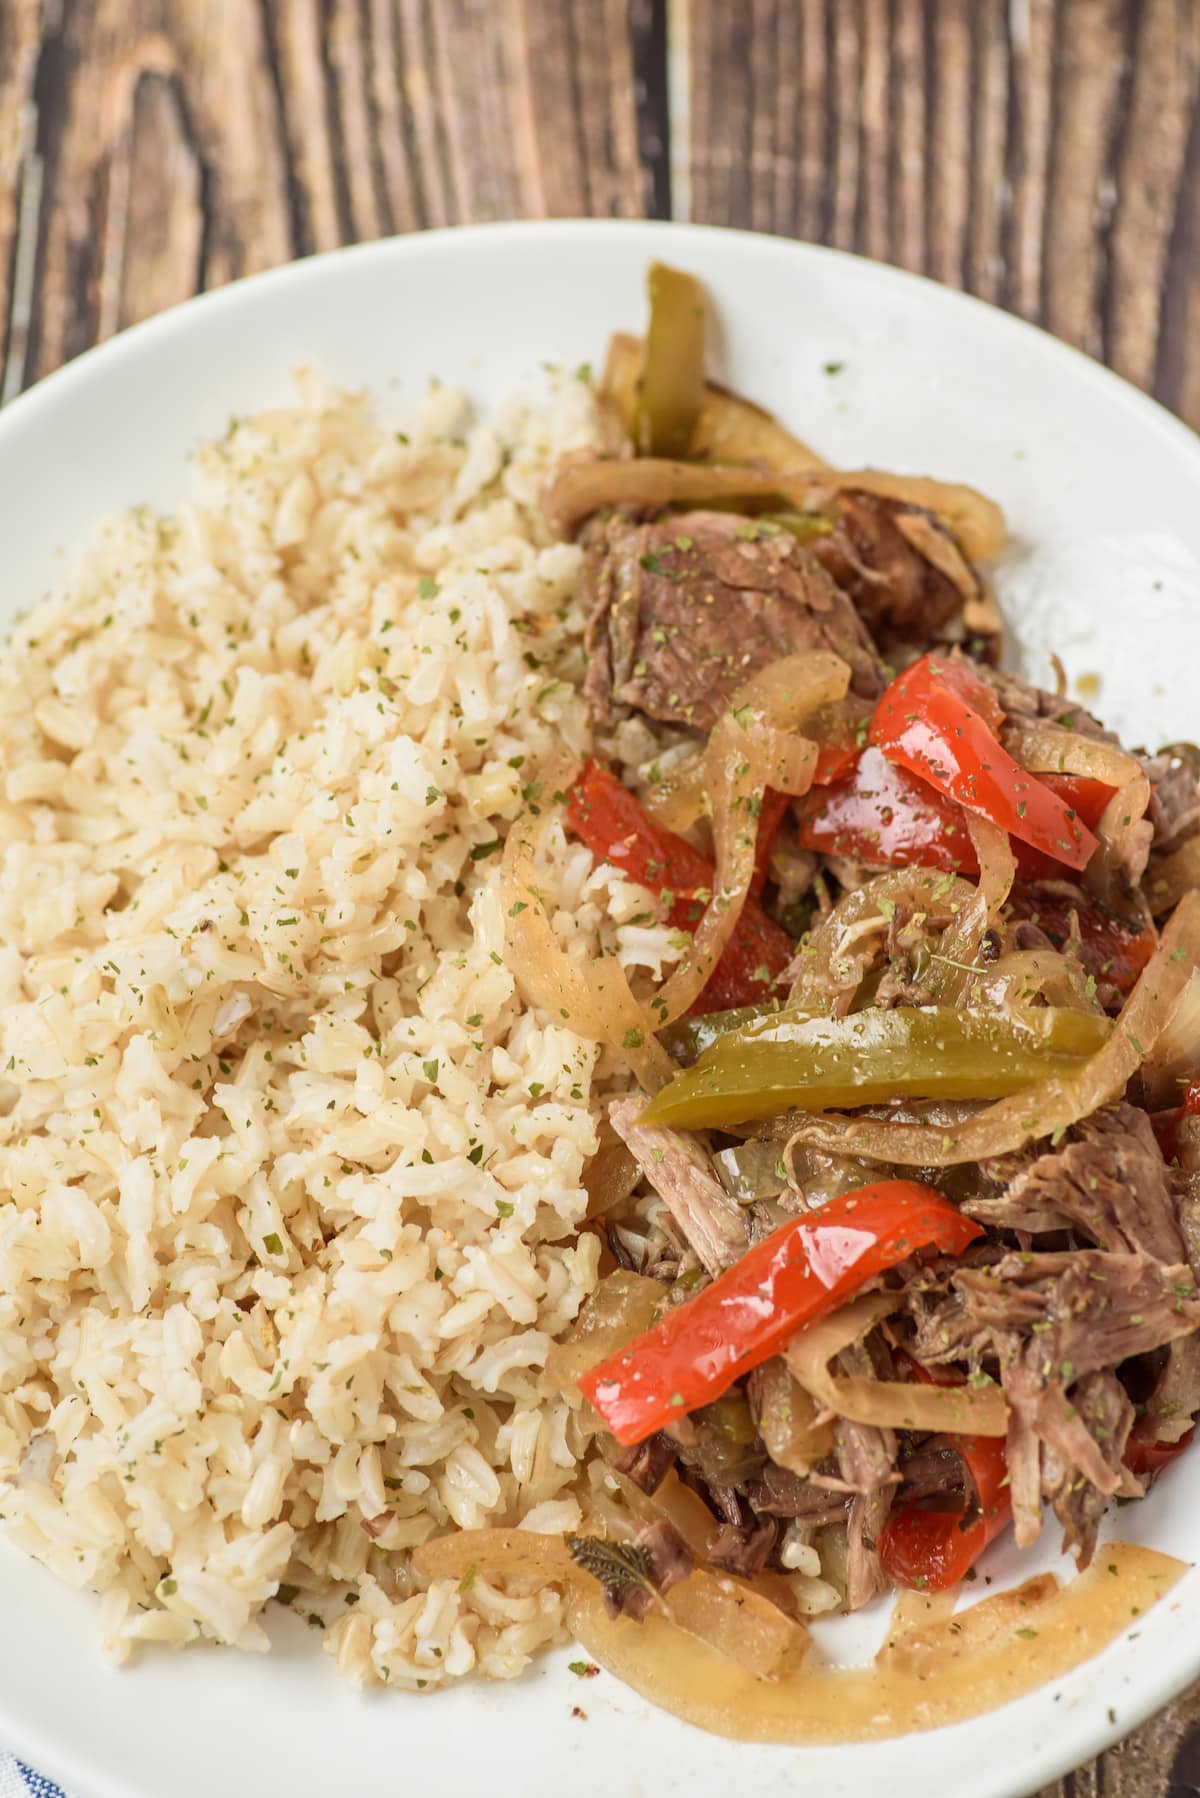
(1044, 154)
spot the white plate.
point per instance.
(1099, 479)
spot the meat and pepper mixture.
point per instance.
(902, 1241)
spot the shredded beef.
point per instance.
(1025, 704)
(1104, 1416)
(1085, 1307)
(781, 1493)
(744, 1550)
(677, 1166)
(686, 609)
(1186, 1189)
(932, 1469)
(1051, 1321)
(669, 1558)
(648, 1463)
(1108, 1181)
(876, 552)
(866, 1459)
(865, 1577)
(1173, 1402)
(1174, 799)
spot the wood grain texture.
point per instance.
(1044, 154)
(153, 148)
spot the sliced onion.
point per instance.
(976, 521)
(1025, 975)
(1025, 1117)
(788, 1419)
(1124, 831)
(674, 1503)
(748, 751)
(593, 997)
(831, 964)
(581, 488)
(890, 1404)
(1175, 1057)
(726, 1614)
(936, 1673)
(611, 1174)
(676, 800)
(1170, 877)
(939, 550)
(959, 949)
(623, 1305)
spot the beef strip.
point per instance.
(744, 1550)
(1174, 810)
(933, 1468)
(1051, 1321)
(648, 1463)
(1104, 1415)
(866, 1459)
(1171, 1406)
(885, 553)
(1174, 798)
(1025, 704)
(678, 1168)
(1108, 1181)
(779, 1493)
(686, 609)
(670, 1559)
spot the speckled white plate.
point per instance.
(1103, 492)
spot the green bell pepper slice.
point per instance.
(688, 1037)
(671, 388)
(795, 1062)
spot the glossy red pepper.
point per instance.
(834, 762)
(1108, 949)
(938, 720)
(879, 812)
(611, 822)
(1142, 1457)
(930, 1550)
(793, 1277)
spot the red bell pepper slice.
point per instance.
(930, 1550)
(1142, 1457)
(793, 1277)
(613, 825)
(834, 762)
(879, 812)
(939, 720)
(1108, 948)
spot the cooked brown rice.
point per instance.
(289, 1180)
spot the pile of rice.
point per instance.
(289, 1178)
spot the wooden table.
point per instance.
(1043, 155)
